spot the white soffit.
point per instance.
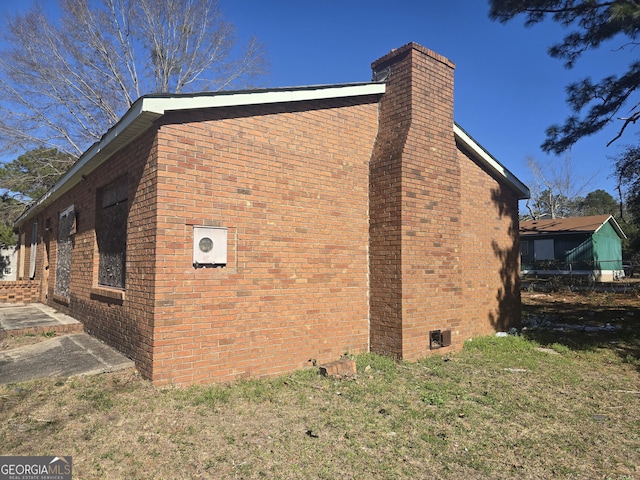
(146, 110)
(494, 165)
(184, 102)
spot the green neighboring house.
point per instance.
(573, 246)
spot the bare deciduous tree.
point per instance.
(554, 187)
(64, 83)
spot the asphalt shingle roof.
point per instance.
(568, 225)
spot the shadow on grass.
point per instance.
(585, 322)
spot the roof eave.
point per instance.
(574, 231)
(615, 225)
(146, 110)
(490, 162)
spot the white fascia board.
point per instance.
(484, 157)
(94, 156)
(146, 110)
(616, 227)
(183, 102)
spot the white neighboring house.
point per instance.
(8, 263)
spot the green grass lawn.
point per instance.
(549, 404)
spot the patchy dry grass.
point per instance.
(551, 404)
(10, 341)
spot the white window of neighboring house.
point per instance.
(543, 249)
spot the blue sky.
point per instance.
(507, 89)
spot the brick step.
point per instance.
(40, 329)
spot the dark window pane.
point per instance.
(111, 234)
(65, 245)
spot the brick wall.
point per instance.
(444, 252)
(19, 291)
(292, 189)
(122, 319)
(385, 212)
(353, 224)
(416, 162)
(490, 259)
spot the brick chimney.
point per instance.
(414, 205)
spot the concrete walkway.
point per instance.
(61, 356)
(20, 319)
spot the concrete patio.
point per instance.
(35, 318)
(69, 352)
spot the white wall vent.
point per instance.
(209, 247)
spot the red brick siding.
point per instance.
(416, 163)
(19, 291)
(436, 262)
(343, 235)
(431, 209)
(490, 254)
(292, 189)
(126, 325)
(385, 212)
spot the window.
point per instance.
(66, 229)
(543, 249)
(524, 248)
(111, 233)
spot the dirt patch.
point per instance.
(584, 321)
(11, 341)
